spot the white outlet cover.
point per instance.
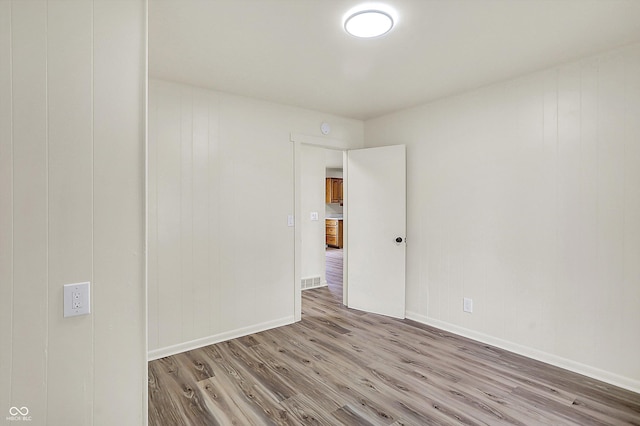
(77, 300)
(314, 215)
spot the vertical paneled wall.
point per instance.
(525, 196)
(221, 256)
(6, 208)
(72, 104)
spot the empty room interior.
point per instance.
(272, 212)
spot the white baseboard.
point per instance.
(567, 364)
(217, 338)
(318, 286)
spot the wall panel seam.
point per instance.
(625, 128)
(145, 395)
(93, 160)
(46, 192)
(556, 272)
(193, 281)
(157, 220)
(210, 322)
(13, 204)
(597, 168)
(180, 233)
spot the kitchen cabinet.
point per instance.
(333, 190)
(333, 232)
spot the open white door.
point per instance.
(376, 229)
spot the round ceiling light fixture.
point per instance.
(368, 23)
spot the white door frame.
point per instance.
(319, 142)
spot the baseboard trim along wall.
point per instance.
(594, 373)
(217, 338)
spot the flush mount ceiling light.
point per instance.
(368, 23)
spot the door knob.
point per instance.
(399, 240)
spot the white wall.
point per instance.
(221, 184)
(312, 200)
(72, 102)
(525, 196)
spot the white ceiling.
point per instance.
(296, 52)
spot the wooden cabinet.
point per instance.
(336, 190)
(333, 232)
(333, 190)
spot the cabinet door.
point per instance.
(335, 190)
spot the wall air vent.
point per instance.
(310, 282)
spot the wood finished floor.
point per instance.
(334, 259)
(344, 367)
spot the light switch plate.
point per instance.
(77, 300)
(467, 305)
(290, 221)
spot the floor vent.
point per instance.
(311, 282)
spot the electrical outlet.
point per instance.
(314, 215)
(76, 299)
(467, 305)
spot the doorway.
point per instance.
(334, 221)
(310, 173)
(379, 187)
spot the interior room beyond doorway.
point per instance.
(334, 220)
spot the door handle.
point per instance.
(398, 240)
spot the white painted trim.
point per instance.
(318, 286)
(322, 142)
(345, 230)
(210, 340)
(297, 231)
(567, 364)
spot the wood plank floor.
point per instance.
(344, 367)
(334, 261)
